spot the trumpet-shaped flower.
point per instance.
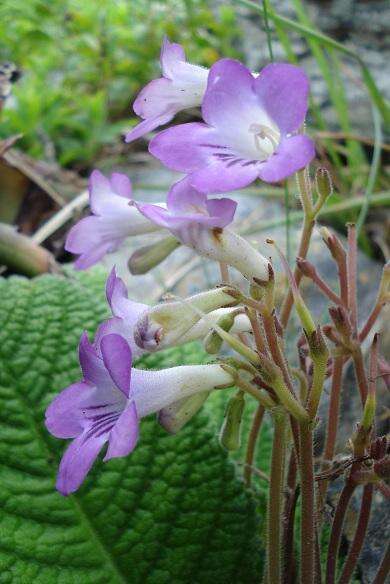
(250, 131)
(168, 324)
(112, 220)
(108, 403)
(200, 223)
(182, 86)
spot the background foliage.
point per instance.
(83, 62)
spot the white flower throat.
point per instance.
(266, 139)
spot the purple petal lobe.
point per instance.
(117, 359)
(283, 90)
(91, 365)
(149, 125)
(121, 184)
(184, 147)
(223, 209)
(229, 93)
(124, 435)
(77, 461)
(222, 176)
(62, 419)
(171, 54)
(292, 155)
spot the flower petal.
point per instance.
(183, 198)
(124, 435)
(229, 94)
(185, 147)
(223, 176)
(92, 366)
(77, 461)
(292, 154)
(149, 125)
(121, 185)
(223, 210)
(62, 419)
(171, 53)
(117, 359)
(283, 90)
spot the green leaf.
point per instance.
(172, 512)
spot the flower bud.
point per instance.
(148, 257)
(165, 324)
(341, 320)
(230, 434)
(382, 468)
(323, 183)
(213, 340)
(173, 417)
(334, 245)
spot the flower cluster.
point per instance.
(251, 129)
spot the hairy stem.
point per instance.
(337, 528)
(308, 522)
(252, 440)
(360, 534)
(275, 502)
(384, 568)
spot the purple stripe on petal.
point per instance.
(76, 463)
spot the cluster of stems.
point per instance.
(291, 395)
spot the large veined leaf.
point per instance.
(174, 511)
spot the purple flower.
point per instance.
(186, 206)
(250, 131)
(108, 403)
(126, 314)
(181, 87)
(112, 220)
(96, 410)
(200, 223)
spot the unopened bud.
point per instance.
(378, 448)
(213, 340)
(369, 411)
(306, 268)
(382, 468)
(148, 257)
(341, 320)
(323, 183)
(230, 434)
(173, 417)
(334, 245)
(317, 345)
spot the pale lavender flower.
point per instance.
(182, 86)
(250, 131)
(108, 403)
(200, 223)
(112, 220)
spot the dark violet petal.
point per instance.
(91, 364)
(77, 461)
(292, 155)
(110, 283)
(183, 147)
(124, 435)
(117, 359)
(283, 90)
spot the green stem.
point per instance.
(308, 523)
(275, 502)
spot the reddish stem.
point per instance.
(352, 274)
(384, 568)
(360, 534)
(360, 373)
(308, 521)
(252, 440)
(370, 321)
(337, 527)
